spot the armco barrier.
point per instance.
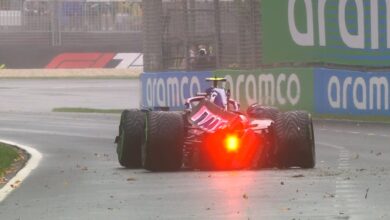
(320, 91)
(284, 88)
(343, 92)
(171, 89)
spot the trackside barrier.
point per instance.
(317, 90)
(284, 88)
(352, 33)
(343, 92)
(171, 89)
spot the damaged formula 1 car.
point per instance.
(212, 134)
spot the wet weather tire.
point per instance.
(131, 138)
(295, 140)
(163, 150)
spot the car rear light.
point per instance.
(232, 143)
(229, 150)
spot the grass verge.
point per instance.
(88, 110)
(8, 156)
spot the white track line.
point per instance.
(347, 196)
(32, 163)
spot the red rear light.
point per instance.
(232, 143)
(229, 150)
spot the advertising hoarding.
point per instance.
(348, 32)
(171, 89)
(344, 92)
(286, 88)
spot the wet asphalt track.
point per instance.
(79, 177)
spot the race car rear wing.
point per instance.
(201, 96)
(209, 117)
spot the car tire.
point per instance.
(295, 144)
(262, 112)
(131, 138)
(163, 150)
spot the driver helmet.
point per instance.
(218, 97)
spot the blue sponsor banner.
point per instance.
(346, 92)
(171, 89)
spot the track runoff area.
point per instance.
(79, 159)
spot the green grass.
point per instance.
(88, 110)
(8, 155)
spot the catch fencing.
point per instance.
(198, 35)
(250, 34)
(64, 21)
(212, 34)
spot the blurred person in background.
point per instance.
(36, 15)
(122, 10)
(107, 17)
(71, 16)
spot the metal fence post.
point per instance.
(187, 33)
(260, 35)
(152, 35)
(55, 23)
(217, 19)
(253, 33)
(240, 32)
(192, 18)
